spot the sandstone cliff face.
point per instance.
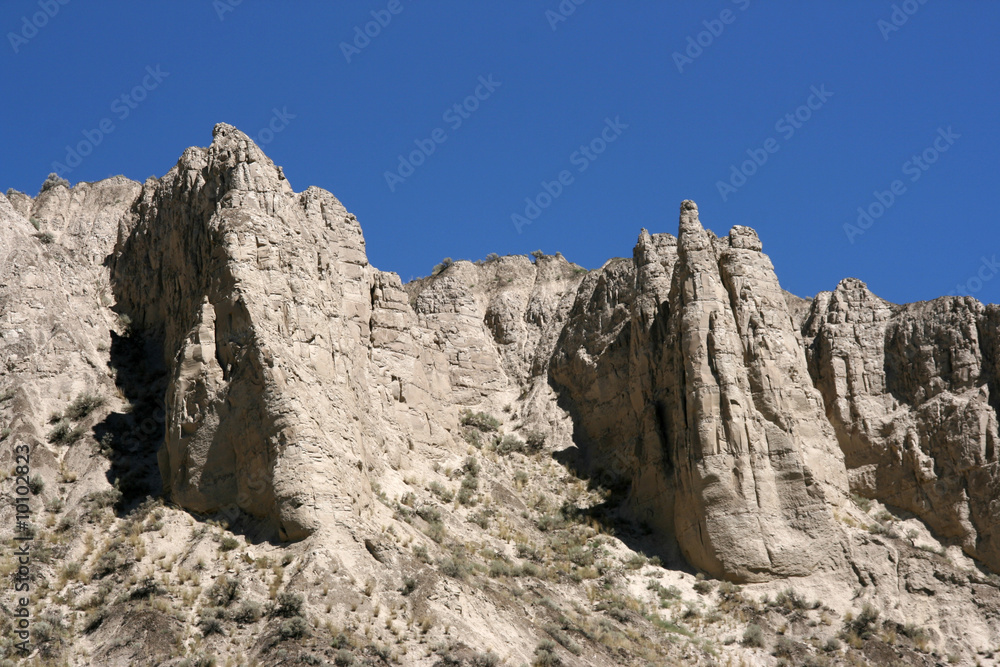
(254, 362)
(911, 391)
(717, 425)
(54, 320)
(683, 372)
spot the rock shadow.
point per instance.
(131, 439)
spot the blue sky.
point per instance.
(634, 106)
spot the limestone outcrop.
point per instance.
(912, 394)
(719, 429)
(207, 359)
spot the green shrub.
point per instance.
(863, 625)
(492, 257)
(501, 568)
(45, 238)
(468, 489)
(481, 517)
(105, 498)
(223, 592)
(480, 420)
(509, 444)
(473, 436)
(549, 522)
(293, 628)
(53, 180)
(637, 561)
(488, 659)
(753, 636)
(914, 632)
(832, 644)
(228, 543)
(445, 263)
(420, 551)
(863, 503)
(455, 567)
(42, 631)
(545, 654)
(63, 434)
(704, 587)
(209, 623)
(83, 405)
(441, 491)
(36, 484)
(534, 441)
(247, 612)
(790, 599)
(119, 556)
(288, 604)
(146, 588)
(784, 648)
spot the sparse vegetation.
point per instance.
(36, 484)
(545, 654)
(293, 628)
(509, 444)
(862, 625)
(445, 263)
(753, 636)
(52, 181)
(864, 504)
(65, 434)
(247, 612)
(288, 604)
(228, 543)
(83, 405)
(223, 592)
(480, 421)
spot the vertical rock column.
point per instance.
(747, 505)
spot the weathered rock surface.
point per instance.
(237, 332)
(698, 391)
(912, 393)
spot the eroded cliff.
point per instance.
(225, 346)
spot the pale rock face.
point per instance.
(296, 383)
(263, 301)
(719, 428)
(296, 372)
(911, 391)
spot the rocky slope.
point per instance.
(249, 445)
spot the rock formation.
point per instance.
(912, 393)
(246, 363)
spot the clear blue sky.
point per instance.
(688, 122)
